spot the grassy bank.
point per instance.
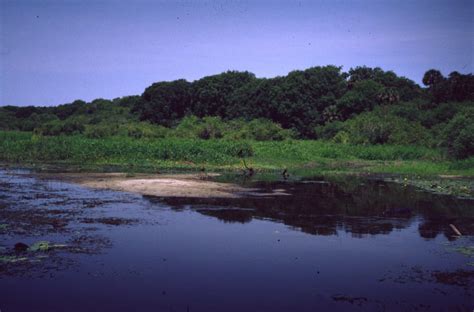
(409, 165)
(303, 156)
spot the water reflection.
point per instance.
(357, 207)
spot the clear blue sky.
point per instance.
(54, 52)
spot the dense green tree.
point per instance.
(164, 102)
(212, 95)
(400, 88)
(457, 87)
(66, 110)
(363, 96)
(432, 77)
(298, 100)
(252, 100)
(227, 105)
(461, 87)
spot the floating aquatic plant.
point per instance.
(466, 250)
(45, 246)
(40, 246)
(12, 259)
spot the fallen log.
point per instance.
(455, 230)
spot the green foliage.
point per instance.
(215, 128)
(329, 130)
(432, 77)
(463, 164)
(23, 147)
(212, 95)
(164, 102)
(259, 130)
(99, 131)
(211, 128)
(458, 135)
(362, 106)
(362, 97)
(375, 128)
(57, 127)
(341, 137)
(399, 87)
(295, 101)
(205, 128)
(457, 87)
(40, 246)
(144, 130)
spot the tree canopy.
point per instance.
(310, 103)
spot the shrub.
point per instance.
(145, 130)
(260, 130)
(188, 127)
(341, 137)
(374, 128)
(329, 130)
(211, 128)
(57, 127)
(100, 131)
(458, 135)
(216, 128)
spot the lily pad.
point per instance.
(40, 246)
(45, 246)
(467, 250)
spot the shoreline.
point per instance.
(190, 183)
(161, 185)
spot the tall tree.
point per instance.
(164, 102)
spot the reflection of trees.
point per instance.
(430, 228)
(371, 207)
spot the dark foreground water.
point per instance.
(346, 246)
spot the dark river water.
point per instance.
(351, 245)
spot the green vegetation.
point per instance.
(175, 152)
(318, 120)
(40, 246)
(467, 251)
(12, 259)
(364, 106)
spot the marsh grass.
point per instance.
(305, 156)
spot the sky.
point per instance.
(54, 52)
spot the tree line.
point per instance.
(300, 100)
(361, 106)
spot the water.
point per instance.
(352, 245)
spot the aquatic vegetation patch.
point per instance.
(45, 246)
(452, 186)
(352, 300)
(12, 259)
(460, 278)
(466, 250)
(110, 221)
(40, 246)
(416, 274)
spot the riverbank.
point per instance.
(159, 185)
(423, 167)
